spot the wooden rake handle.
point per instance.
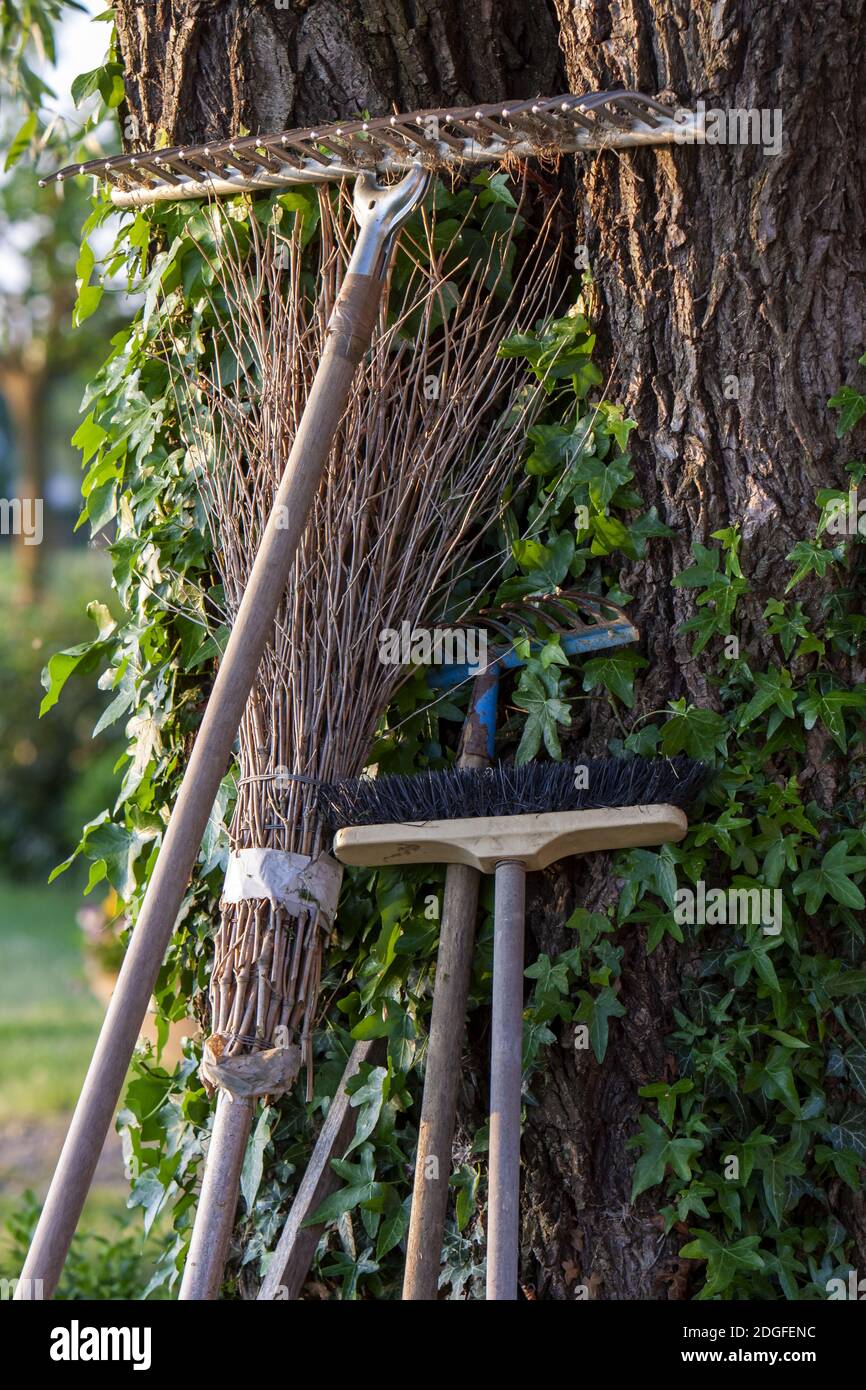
(349, 332)
(444, 1046)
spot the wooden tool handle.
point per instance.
(441, 1081)
(203, 1271)
(506, 1072)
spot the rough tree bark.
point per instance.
(712, 263)
(199, 69)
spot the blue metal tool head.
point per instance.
(581, 622)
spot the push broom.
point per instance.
(508, 821)
(581, 623)
(410, 146)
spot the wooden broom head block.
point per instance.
(534, 841)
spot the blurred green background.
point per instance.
(54, 776)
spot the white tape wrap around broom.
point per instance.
(292, 881)
(299, 885)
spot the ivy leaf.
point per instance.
(81, 658)
(828, 706)
(545, 712)
(855, 1062)
(545, 565)
(700, 733)
(21, 140)
(466, 1182)
(809, 558)
(777, 1079)
(608, 479)
(852, 408)
(665, 1094)
(645, 869)
(595, 1011)
(401, 1038)
(660, 1153)
(615, 673)
(724, 1262)
(89, 295)
(85, 84)
(370, 1097)
(394, 1226)
(773, 689)
(849, 1131)
(704, 572)
(778, 1166)
(832, 877)
(646, 528)
(344, 1200)
(552, 976)
(251, 1173)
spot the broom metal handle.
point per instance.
(380, 211)
(506, 1072)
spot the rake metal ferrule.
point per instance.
(391, 145)
(380, 210)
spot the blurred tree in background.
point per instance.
(52, 773)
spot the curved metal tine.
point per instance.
(642, 110)
(607, 112)
(396, 139)
(311, 150)
(179, 166)
(133, 172)
(268, 160)
(337, 141)
(576, 116)
(618, 105)
(597, 604)
(209, 165)
(642, 102)
(442, 136)
(470, 127)
(164, 173)
(102, 168)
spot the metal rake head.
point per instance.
(441, 139)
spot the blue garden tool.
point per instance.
(583, 623)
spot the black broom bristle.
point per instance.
(503, 790)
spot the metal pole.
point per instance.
(506, 1071)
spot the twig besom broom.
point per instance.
(445, 139)
(413, 476)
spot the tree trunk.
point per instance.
(735, 300)
(207, 68)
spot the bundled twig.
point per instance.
(431, 439)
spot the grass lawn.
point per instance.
(53, 778)
(48, 1025)
(48, 1017)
